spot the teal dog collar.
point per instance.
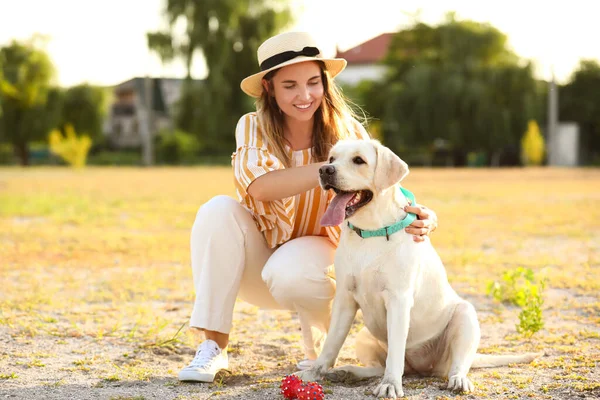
(390, 230)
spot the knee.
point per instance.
(295, 286)
(284, 285)
(215, 211)
(297, 273)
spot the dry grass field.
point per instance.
(96, 289)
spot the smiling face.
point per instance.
(358, 170)
(298, 90)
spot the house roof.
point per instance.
(164, 91)
(369, 52)
(137, 82)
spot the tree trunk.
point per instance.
(22, 151)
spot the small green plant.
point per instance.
(511, 289)
(112, 378)
(530, 317)
(520, 287)
(36, 363)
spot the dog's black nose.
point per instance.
(327, 170)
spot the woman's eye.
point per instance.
(358, 160)
(289, 87)
(313, 83)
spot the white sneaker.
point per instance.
(209, 360)
(305, 364)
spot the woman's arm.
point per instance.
(279, 184)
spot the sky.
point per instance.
(104, 42)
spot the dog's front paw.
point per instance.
(341, 375)
(312, 374)
(389, 388)
(460, 383)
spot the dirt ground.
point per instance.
(95, 286)
(83, 368)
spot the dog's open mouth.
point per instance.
(344, 205)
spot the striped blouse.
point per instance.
(288, 218)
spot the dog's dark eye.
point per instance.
(331, 159)
(358, 160)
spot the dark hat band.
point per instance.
(280, 58)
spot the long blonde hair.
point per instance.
(334, 119)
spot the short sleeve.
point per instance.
(252, 158)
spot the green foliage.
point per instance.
(510, 289)
(31, 107)
(176, 147)
(84, 106)
(579, 101)
(532, 145)
(115, 158)
(520, 287)
(457, 81)
(6, 154)
(2, 82)
(29, 103)
(530, 317)
(476, 159)
(228, 33)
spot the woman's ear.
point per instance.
(265, 84)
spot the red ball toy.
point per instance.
(289, 386)
(311, 391)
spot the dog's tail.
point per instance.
(493, 360)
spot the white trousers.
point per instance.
(230, 258)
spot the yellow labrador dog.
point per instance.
(418, 323)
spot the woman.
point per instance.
(268, 247)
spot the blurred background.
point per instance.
(155, 82)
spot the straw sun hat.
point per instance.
(286, 49)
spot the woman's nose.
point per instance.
(305, 93)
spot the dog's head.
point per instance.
(358, 170)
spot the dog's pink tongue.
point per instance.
(336, 212)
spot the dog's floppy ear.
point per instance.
(390, 168)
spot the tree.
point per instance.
(580, 102)
(27, 114)
(227, 33)
(84, 108)
(1, 83)
(458, 82)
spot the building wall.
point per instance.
(125, 122)
(171, 91)
(564, 151)
(355, 73)
(125, 131)
(126, 97)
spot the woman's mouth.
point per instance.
(303, 107)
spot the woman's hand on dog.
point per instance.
(425, 223)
